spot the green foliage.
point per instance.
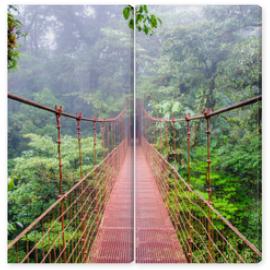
(14, 33)
(209, 57)
(235, 170)
(75, 64)
(202, 57)
(10, 184)
(14, 255)
(35, 175)
(85, 71)
(199, 59)
(45, 240)
(242, 71)
(145, 21)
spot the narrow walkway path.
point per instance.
(114, 241)
(156, 239)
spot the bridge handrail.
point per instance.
(59, 200)
(209, 114)
(222, 218)
(68, 115)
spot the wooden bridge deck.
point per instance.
(156, 240)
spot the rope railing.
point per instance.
(65, 231)
(197, 222)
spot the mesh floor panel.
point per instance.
(114, 241)
(156, 239)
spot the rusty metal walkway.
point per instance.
(114, 241)
(156, 239)
(76, 226)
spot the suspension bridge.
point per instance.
(95, 221)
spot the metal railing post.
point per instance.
(95, 142)
(167, 140)
(209, 185)
(190, 240)
(58, 112)
(78, 121)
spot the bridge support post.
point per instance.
(190, 240)
(140, 126)
(174, 135)
(118, 140)
(95, 141)
(102, 128)
(78, 120)
(210, 231)
(167, 141)
(160, 136)
(81, 216)
(107, 132)
(111, 136)
(59, 110)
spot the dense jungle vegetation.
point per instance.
(187, 59)
(79, 57)
(209, 57)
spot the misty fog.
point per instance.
(79, 56)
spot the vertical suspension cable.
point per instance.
(94, 142)
(77, 204)
(102, 130)
(174, 136)
(108, 125)
(78, 121)
(160, 136)
(107, 137)
(190, 240)
(156, 134)
(209, 184)
(111, 136)
(167, 138)
(58, 126)
(59, 110)
(117, 141)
